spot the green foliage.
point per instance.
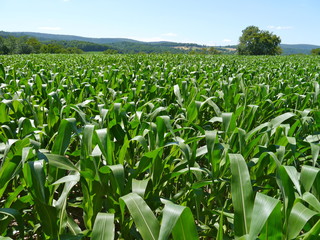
(110, 51)
(28, 45)
(207, 51)
(254, 41)
(315, 51)
(159, 146)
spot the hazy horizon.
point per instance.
(282, 43)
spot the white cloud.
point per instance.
(227, 40)
(169, 34)
(280, 27)
(50, 28)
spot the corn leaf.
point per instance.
(144, 219)
(242, 194)
(63, 138)
(179, 221)
(103, 228)
(299, 216)
(17, 216)
(262, 209)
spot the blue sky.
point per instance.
(207, 22)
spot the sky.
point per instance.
(208, 22)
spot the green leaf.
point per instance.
(186, 152)
(103, 228)
(226, 121)
(17, 216)
(312, 201)
(86, 146)
(192, 112)
(48, 218)
(142, 141)
(211, 138)
(262, 209)
(60, 162)
(4, 116)
(118, 133)
(144, 219)
(139, 186)
(161, 129)
(285, 184)
(178, 220)
(71, 237)
(242, 194)
(35, 178)
(294, 176)
(63, 138)
(25, 127)
(72, 226)
(274, 123)
(314, 232)
(315, 149)
(12, 161)
(308, 176)
(213, 105)
(220, 230)
(299, 216)
(272, 229)
(176, 90)
(166, 120)
(118, 174)
(61, 204)
(2, 71)
(255, 130)
(105, 145)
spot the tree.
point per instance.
(3, 47)
(11, 43)
(210, 51)
(74, 50)
(34, 44)
(315, 51)
(22, 46)
(213, 51)
(110, 51)
(52, 48)
(257, 42)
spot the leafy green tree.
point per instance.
(254, 41)
(52, 48)
(3, 47)
(74, 50)
(34, 44)
(315, 51)
(110, 51)
(22, 47)
(213, 51)
(11, 43)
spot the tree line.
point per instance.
(253, 41)
(28, 45)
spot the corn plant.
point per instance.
(159, 147)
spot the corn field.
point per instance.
(159, 147)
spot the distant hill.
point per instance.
(122, 45)
(126, 45)
(59, 37)
(289, 49)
